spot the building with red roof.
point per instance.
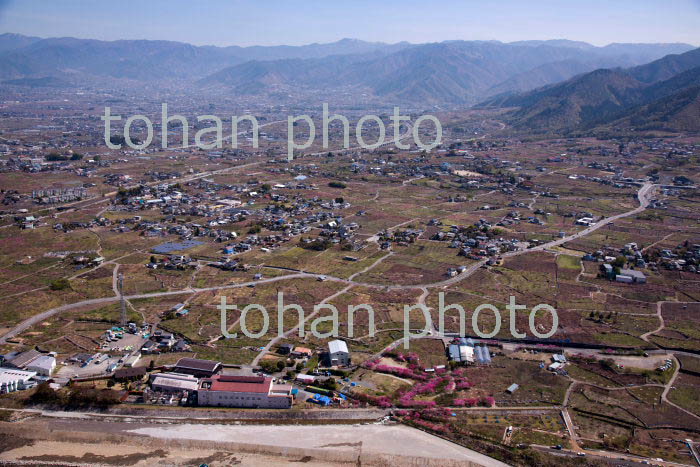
(257, 392)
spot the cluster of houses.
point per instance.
(298, 215)
(632, 254)
(557, 364)
(685, 257)
(516, 217)
(617, 180)
(475, 241)
(163, 341)
(400, 237)
(266, 243)
(185, 231)
(471, 171)
(34, 164)
(172, 262)
(75, 225)
(117, 179)
(26, 222)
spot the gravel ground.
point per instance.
(381, 439)
(84, 442)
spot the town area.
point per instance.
(114, 264)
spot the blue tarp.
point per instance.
(322, 400)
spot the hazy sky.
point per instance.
(271, 22)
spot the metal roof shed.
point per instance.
(337, 346)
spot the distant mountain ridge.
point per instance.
(455, 73)
(23, 57)
(9, 41)
(660, 94)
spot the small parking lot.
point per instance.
(114, 351)
(127, 344)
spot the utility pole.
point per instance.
(120, 287)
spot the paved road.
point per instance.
(27, 323)
(643, 195)
(36, 319)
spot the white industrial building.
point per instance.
(12, 380)
(338, 354)
(43, 365)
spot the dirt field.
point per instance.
(393, 440)
(135, 443)
(647, 363)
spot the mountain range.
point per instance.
(451, 73)
(662, 94)
(547, 86)
(146, 60)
